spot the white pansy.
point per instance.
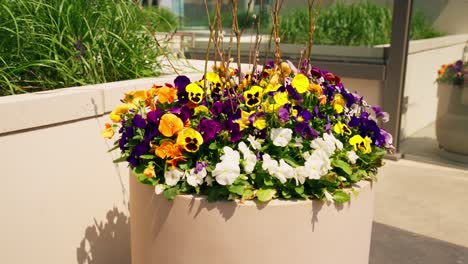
(230, 155)
(314, 166)
(352, 156)
(249, 157)
(226, 172)
(328, 144)
(306, 155)
(281, 136)
(158, 189)
(254, 143)
(324, 161)
(284, 172)
(270, 165)
(195, 178)
(301, 174)
(173, 176)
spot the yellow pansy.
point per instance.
(213, 77)
(201, 109)
(361, 144)
(116, 114)
(338, 103)
(253, 97)
(281, 98)
(149, 172)
(189, 139)
(195, 93)
(342, 129)
(270, 108)
(135, 97)
(300, 82)
(260, 123)
(108, 132)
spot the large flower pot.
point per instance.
(452, 119)
(190, 230)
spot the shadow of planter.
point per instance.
(107, 242)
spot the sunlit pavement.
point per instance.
(421, 214)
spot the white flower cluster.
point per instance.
(317, 163)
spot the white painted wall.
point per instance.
(424, 59)
(63, 200)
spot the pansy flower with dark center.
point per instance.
(194, 93)
(209, 129)
(180, 83)
(253, 97)
(189, 139)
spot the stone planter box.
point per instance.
(452, 118)
(191, 230)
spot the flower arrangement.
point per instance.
(279, 133)
(453, 73)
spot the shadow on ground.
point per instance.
(108, 242)
(391, 245)
(426, 149)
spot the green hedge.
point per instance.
(359, 24)
(46, 44)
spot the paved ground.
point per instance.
(421, 214)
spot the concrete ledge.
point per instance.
(40, 109)
(45, 108)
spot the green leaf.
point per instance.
(171, 193)
(290, 161)
(286, 194)
(341, 197)
(265, 195)
(113, 148)
(148, 156)
(343, 165)
(248, 194)
(300, 191)
(121, 159)
(213, 146)
(237, 189)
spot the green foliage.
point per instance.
(161, 19)
(359, 24)
(46, 44)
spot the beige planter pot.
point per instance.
(452, 119)
(190, 230)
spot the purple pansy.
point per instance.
(305, 130)
(209, 129)
(138, 121)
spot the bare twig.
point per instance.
(153, 34)
(210, 25)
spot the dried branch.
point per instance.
(153, 34)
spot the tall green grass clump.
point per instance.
(46, 44)
(358, 24)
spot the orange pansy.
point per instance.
(166, 94)
(170, 124)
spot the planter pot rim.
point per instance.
(275, 202)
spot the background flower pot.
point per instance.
(452, 119)
(191, 230)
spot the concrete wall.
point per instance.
(424, 59)
(63, 200)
